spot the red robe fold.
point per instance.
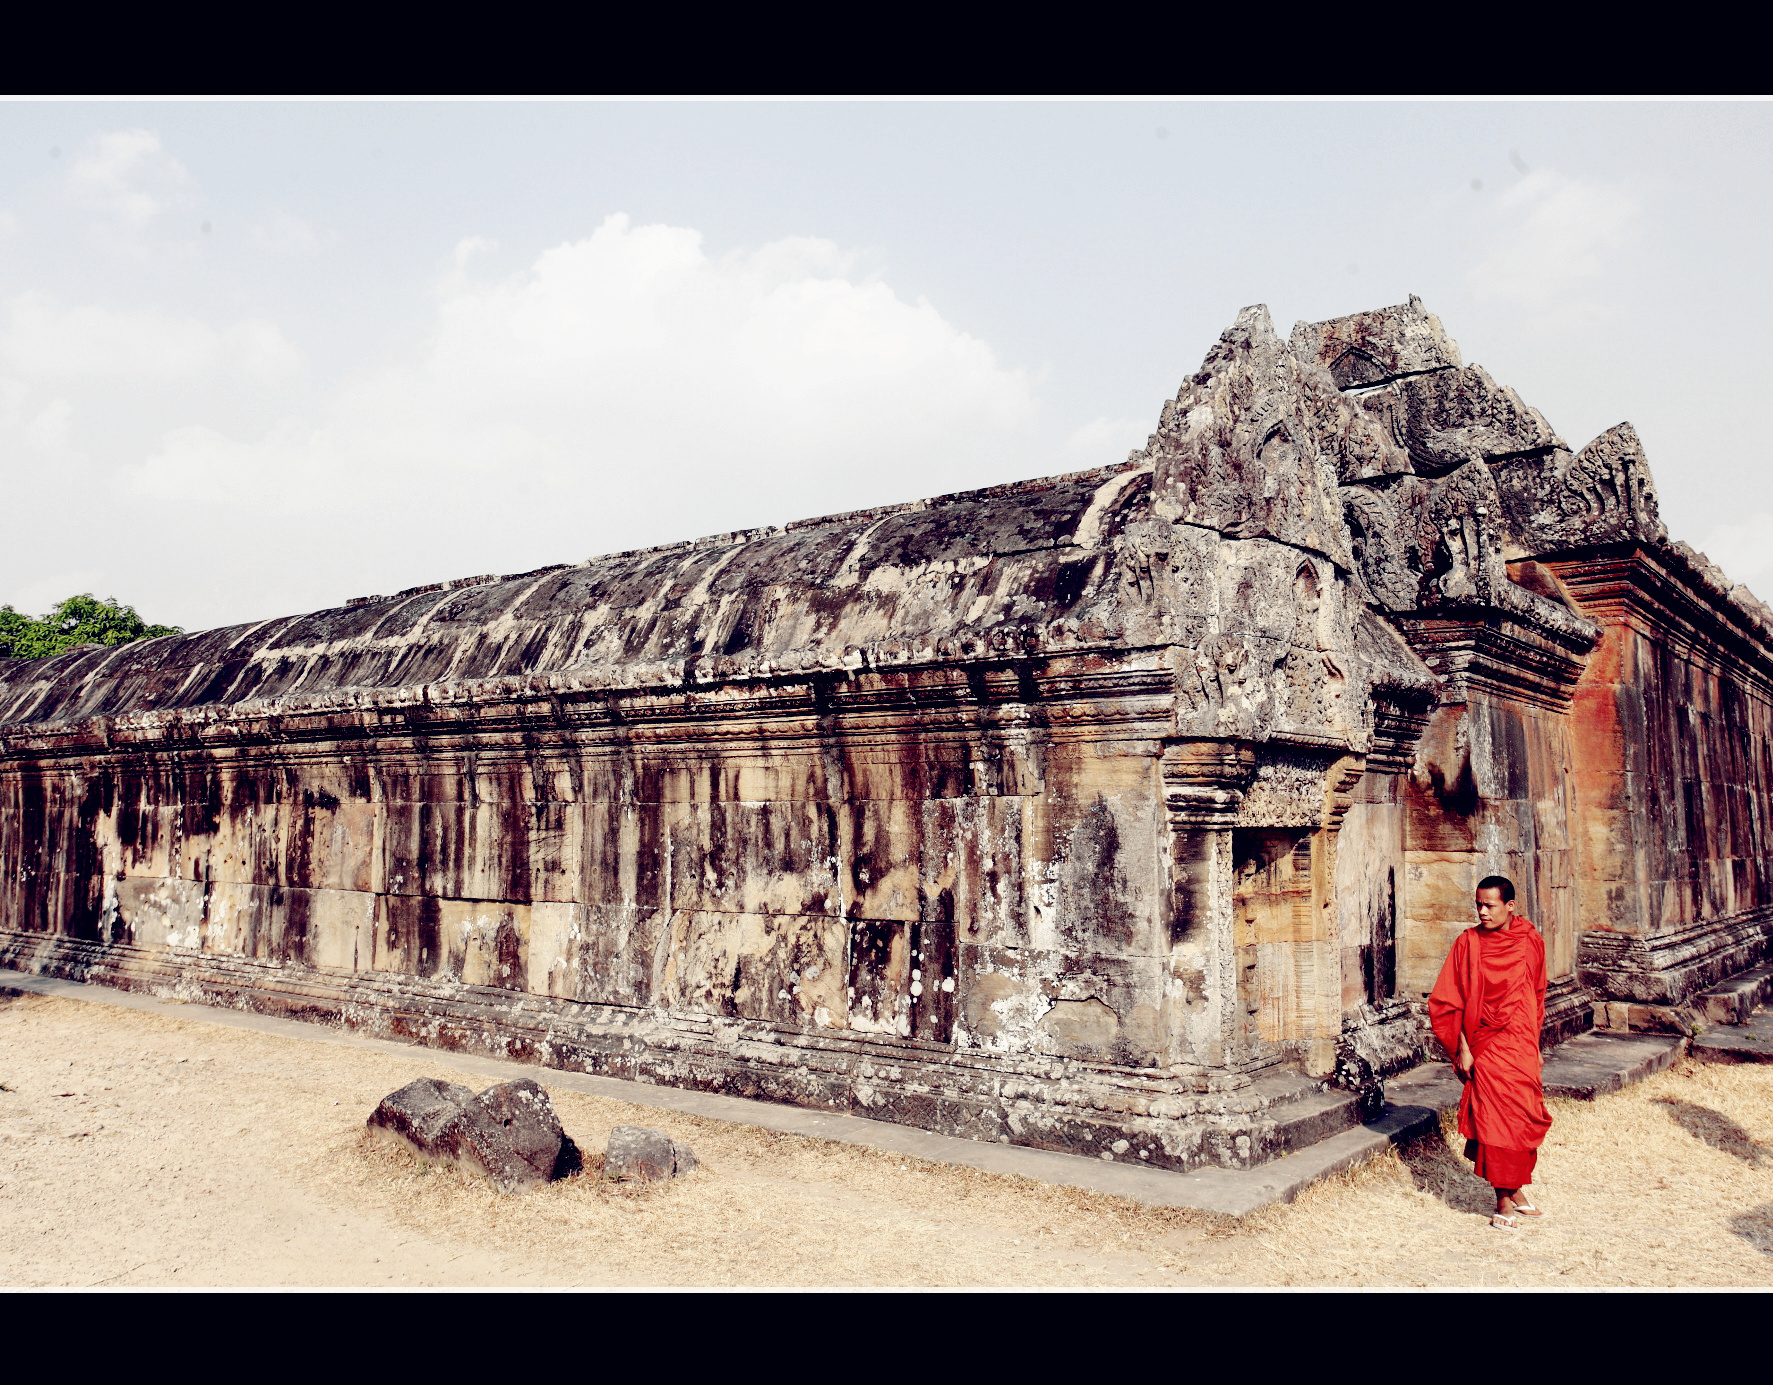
(1492, 989)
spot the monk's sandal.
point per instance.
(1503, 1221)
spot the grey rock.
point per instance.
(509, 1134)
(639, 1151)
(517, 1138)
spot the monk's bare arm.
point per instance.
(1462, 1060)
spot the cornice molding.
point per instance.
(1065, 701)
(1486, 650)
(1659, 596)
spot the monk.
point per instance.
(1487, 1009)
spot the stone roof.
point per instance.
(1398, 478)
(977, 574)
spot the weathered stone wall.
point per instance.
(1674, 776)
(792, 868)
(1120, 813)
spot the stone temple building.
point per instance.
(1127, 813)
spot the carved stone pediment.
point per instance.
(1374, 347)
(1554, 502)
(1384, 526)
(1237, 451)
(1451, 417)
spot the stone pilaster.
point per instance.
(1204, 783)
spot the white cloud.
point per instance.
(8, 223)
(41, 425)
(629, 388)
(127, 175)
(44, 340)
(283, 233)
(1745, 551)
(1556, 235)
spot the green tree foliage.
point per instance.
(82, 619)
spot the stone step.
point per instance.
(1733, 1001)
(1579, 1069)
(1238, 1192)
(1592, 1065)
(1749, 1042)
(1432, 1085)
(1305, 1120)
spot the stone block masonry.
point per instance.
(1126, 813)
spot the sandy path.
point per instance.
(137, 1149)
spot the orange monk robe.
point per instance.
(1492, 989)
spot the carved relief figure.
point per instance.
(1461, 510)
(1144, 549)
(1383, 526)
(1314, 681)
(1228, 672)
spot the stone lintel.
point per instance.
(1135, 701)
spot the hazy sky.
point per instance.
(259, 358)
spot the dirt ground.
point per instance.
(141, 1150)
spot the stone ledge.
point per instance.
(1064, 1106)
(1737, 999)
(1749, 1042)
(1592, 1065)
(1668, 968)
(1417, 1099)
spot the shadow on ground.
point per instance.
(1436, 1169)
(1756, 1227)
(1715, 1129)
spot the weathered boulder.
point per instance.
(420, 1113)
(639, 1151)
(509, 1134)
(531, 1141)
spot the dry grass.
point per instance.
(1668, 1183)
(232, 1157)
